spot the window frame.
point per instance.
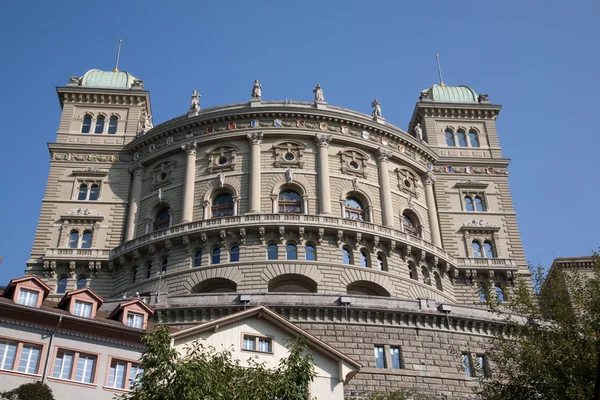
(270, 251)
(295, 205)
(361, 213)
(28, 291)
(58, 284)
(74, 366)
(127, 382)
(234, 253)
(134, 314)
(159, 224)
(228, 207)
(307, 252)
(379, 356)
(99, 125)
(350, 256)
(392, 358)
(84, 125)
(256, 338)
(110, 125)
(83, 308)
(293, 253)
(197, 262)
(17, 357)
(216, 252)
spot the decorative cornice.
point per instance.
(471, 184)
(449, 169)
(478, 225)
(90, 171)
(83, 214)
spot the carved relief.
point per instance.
(222, 159)
(354, 163)
(289, 155)
(407, 181)
(162, 174)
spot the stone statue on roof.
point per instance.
(256, 90)
(418, 131)
(376, 108)
(195, 102)
(146, 123)
(319, 95)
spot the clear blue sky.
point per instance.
(540, 60)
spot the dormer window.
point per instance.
(28, 297)
(82, 309)
(135, 320)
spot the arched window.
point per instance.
(112, 125)
(134, 274)
(500, 293)
(61, 286)
(83, 190)
(149, 270)
(462, 139)
(81, 282)
(310, 251)
(426, 278)
(381, 262)
(469, 204)
(346, 256)
(234, 254)
(165, 265)
(364, 259)
(409, 225)
(438, 282)
(94, 192)
(163, 219)
(489, 249)
(222, 205)
(272, 252)
(87, 123)
(198, 259)
(481, 293)
(86, 240)
(216, 256)
(473, 138)
(290, 202)
(412, 271)
(291, 252)
(354, 209)
(99, 124)
(479, 204)
(73, 239)
(450, 139)
(476, 249)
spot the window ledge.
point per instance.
(17, 373)
(117, 390)
(269, 353)
(70, 382)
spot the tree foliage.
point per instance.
(205, 374)
(550, 344)
(30, 391)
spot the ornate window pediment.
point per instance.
(354, 162)
(471, 184)
(82, 214)
(222, 159)
(90, 172)
(407, 181)
(479, 225)
(289, 154)
(162, 174)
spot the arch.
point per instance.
(289, 201)
(81, 282)
(291, 251)
(162, 218)
(215, 285)
(381, 262)
(196, 276)
(411, 223)
(222, 205)
(61, 284)
(86, 124)
(113, 123)
(426, 276)
(86, 240)
(367, 288)
(351, 275)
(488, 249)
(310, 252)
(74, 239)
(438, 282)
(292, 283)
(347, 257)
(365, 258)
(83, 192)
(476, 246)
(307, 270)
(157, 205)
(473, 138)
(361, 194)
(412, 271)
(272, 251)
(354, 208)
(479, 206)
(198, 259)
(99, 127)
(221, 146)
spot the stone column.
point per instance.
(434, 225)
(189, 183)
(384, 186)
(324, 193)
(255, 139)
(134, 202)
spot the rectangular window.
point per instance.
(28, 297)
(63, 365)
(7, 355)
(481, 365)
(29, 359)
(82, 309)
(85, 368)
(379, 357)
(116, 374)
(135, 320)
(249, 343)
(466, 361)
(260, 344)
(395, 357)
(264, 345)
(135, 373)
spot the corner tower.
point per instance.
(477, 218)
(85, 204)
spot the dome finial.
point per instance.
(118, 54)
(437, 57)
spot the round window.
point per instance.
(222, 160)
(353, 164)
(162, 176)
(407, 183)
(289, 156)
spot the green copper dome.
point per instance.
(108, 79)
(450, 94)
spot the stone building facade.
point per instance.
(370, 237)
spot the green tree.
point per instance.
(205, 374)
(549, 346)
(30, 391)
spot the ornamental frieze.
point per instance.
(85, 157)
(448, 169)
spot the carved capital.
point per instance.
(255, 138)
(428, 178)
(137, 169)
(190, 148)
(383, 155)
(322, 139)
